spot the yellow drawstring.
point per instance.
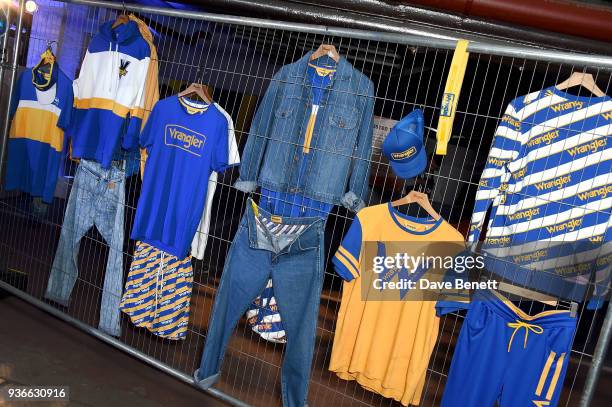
(537, 329)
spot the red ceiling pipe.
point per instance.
(567, 17)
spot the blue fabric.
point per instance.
(126, 36)
(33, 165)
(490, 365)
(296, 204)
(100, 134)
(293, 205)
(183, 150)
(103, 142)
(351, 243)
(297, 272)
(339, 167)
(264, 318)
(97, 199)
(404, 146)
(547, 185)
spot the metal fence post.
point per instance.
(599, 356)
(3, 50)
(13, 67)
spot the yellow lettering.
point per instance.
(601, 193)
(570, 225)
(557, 182)
(591, 147)
(559, 107)
(527, 214)
(545, 138)
(607, 115)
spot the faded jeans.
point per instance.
(288, 250)
(97, 199)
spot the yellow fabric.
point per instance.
(322, 71)
(192, 109)
(350, 266)
(342, 251)
(313, 114)
(38, 125)
(309, 129)
(452, 91)
(555, 379)
(386, 345)
(545, 371)
(105, 104)
(152, 85)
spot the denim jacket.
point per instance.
(338, 167)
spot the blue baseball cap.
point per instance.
(404, 146)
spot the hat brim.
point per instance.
(411, 168)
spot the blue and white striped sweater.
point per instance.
(548, 180)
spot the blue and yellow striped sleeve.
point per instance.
(505, 149)
(346, 260)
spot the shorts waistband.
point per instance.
(510, 312)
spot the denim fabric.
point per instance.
(295, 264)
(338, 170)
(97, 198)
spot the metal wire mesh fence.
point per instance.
(237, 62)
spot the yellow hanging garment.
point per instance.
(451, 95)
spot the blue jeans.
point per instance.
(290, 251)
(97, 198)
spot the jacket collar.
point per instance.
(343, 70)
(122, 34)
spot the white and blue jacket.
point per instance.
(109, 94)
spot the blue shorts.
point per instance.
(507, 356)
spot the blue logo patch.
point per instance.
(185, 139)
(447, 104)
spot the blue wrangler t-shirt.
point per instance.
(185, 141)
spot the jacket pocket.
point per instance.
(343, 125)
(284, 119)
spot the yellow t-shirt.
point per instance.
(385, 345)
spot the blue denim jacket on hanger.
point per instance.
(341, 145)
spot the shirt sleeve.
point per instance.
(232, 145)
(505, 149)
(220, 159)
(66, 115)
(16, 95)
(147, 136)
(346, 260)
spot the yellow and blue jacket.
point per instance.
(110, 94)
(40, 113)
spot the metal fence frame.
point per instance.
(417, 39)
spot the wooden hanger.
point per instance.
(533, 296)
(198, 90)
(420, 198)
(527, 293)
(326, 49)
(121, 19)
(581, 79)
